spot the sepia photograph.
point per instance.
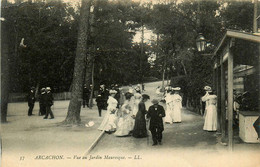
(129, 83)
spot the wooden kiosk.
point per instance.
(236, 67)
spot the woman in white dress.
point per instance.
(109, 122)
(210, 123)
(177, 105)
(169, 107)
(125, 122)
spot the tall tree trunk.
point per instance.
(73, 115)
(141, 55)
(90, 60)
(4, 70)
(164, 68)
(93, 85)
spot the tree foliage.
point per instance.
(50, 29)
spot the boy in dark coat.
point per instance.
(86, 94)
(31, 100)
(99, 104)
(156, 112)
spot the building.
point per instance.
(237, 70)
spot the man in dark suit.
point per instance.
(104, 96)
(31, 100)
(41, 102)
(156, 112)
(48, 102)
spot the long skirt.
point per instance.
(109, 122)
(168, 115)
(140, 128)
(176, 114)
(124, 126)
(210, 123)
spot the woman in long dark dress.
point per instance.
(140, 130)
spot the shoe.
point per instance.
(160, 143)
(52, 118)
(45, 118)
(154, 144)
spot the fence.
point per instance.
(21, 97)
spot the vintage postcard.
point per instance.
(130, 83)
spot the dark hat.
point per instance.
(155, 101)
(128, 95)
(145, 96)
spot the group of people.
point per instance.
(173, 102)
(45, 102)
(127, 116)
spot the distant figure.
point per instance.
(41, 102)
(48, 102)
(86, 94)
(156, 113)
(140, 122)
(104, 96)
(137, 89)
(158, 90)
(210, 123)
(31, 100)
(131, 89)
(100, 104)
(177, 105)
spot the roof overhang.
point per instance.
(237, 35)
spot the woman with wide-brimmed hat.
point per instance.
(109, 122)
(169, 106)
(177, 105)
(125, 121)
(210, 123)
(140, 130)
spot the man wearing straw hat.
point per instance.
(48, 102)
(156, 112)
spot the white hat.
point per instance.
(177, 88)
(48, 88)
(207, 88)
(90, 124)
(112, 91)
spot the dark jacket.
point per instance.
(48, 99)
(31, 98)
(102, 100)
(156, 121)
(86, 93)
(41, 98)
(99, 101)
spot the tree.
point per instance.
(4, 70)
(73, 115)
(49, 33)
